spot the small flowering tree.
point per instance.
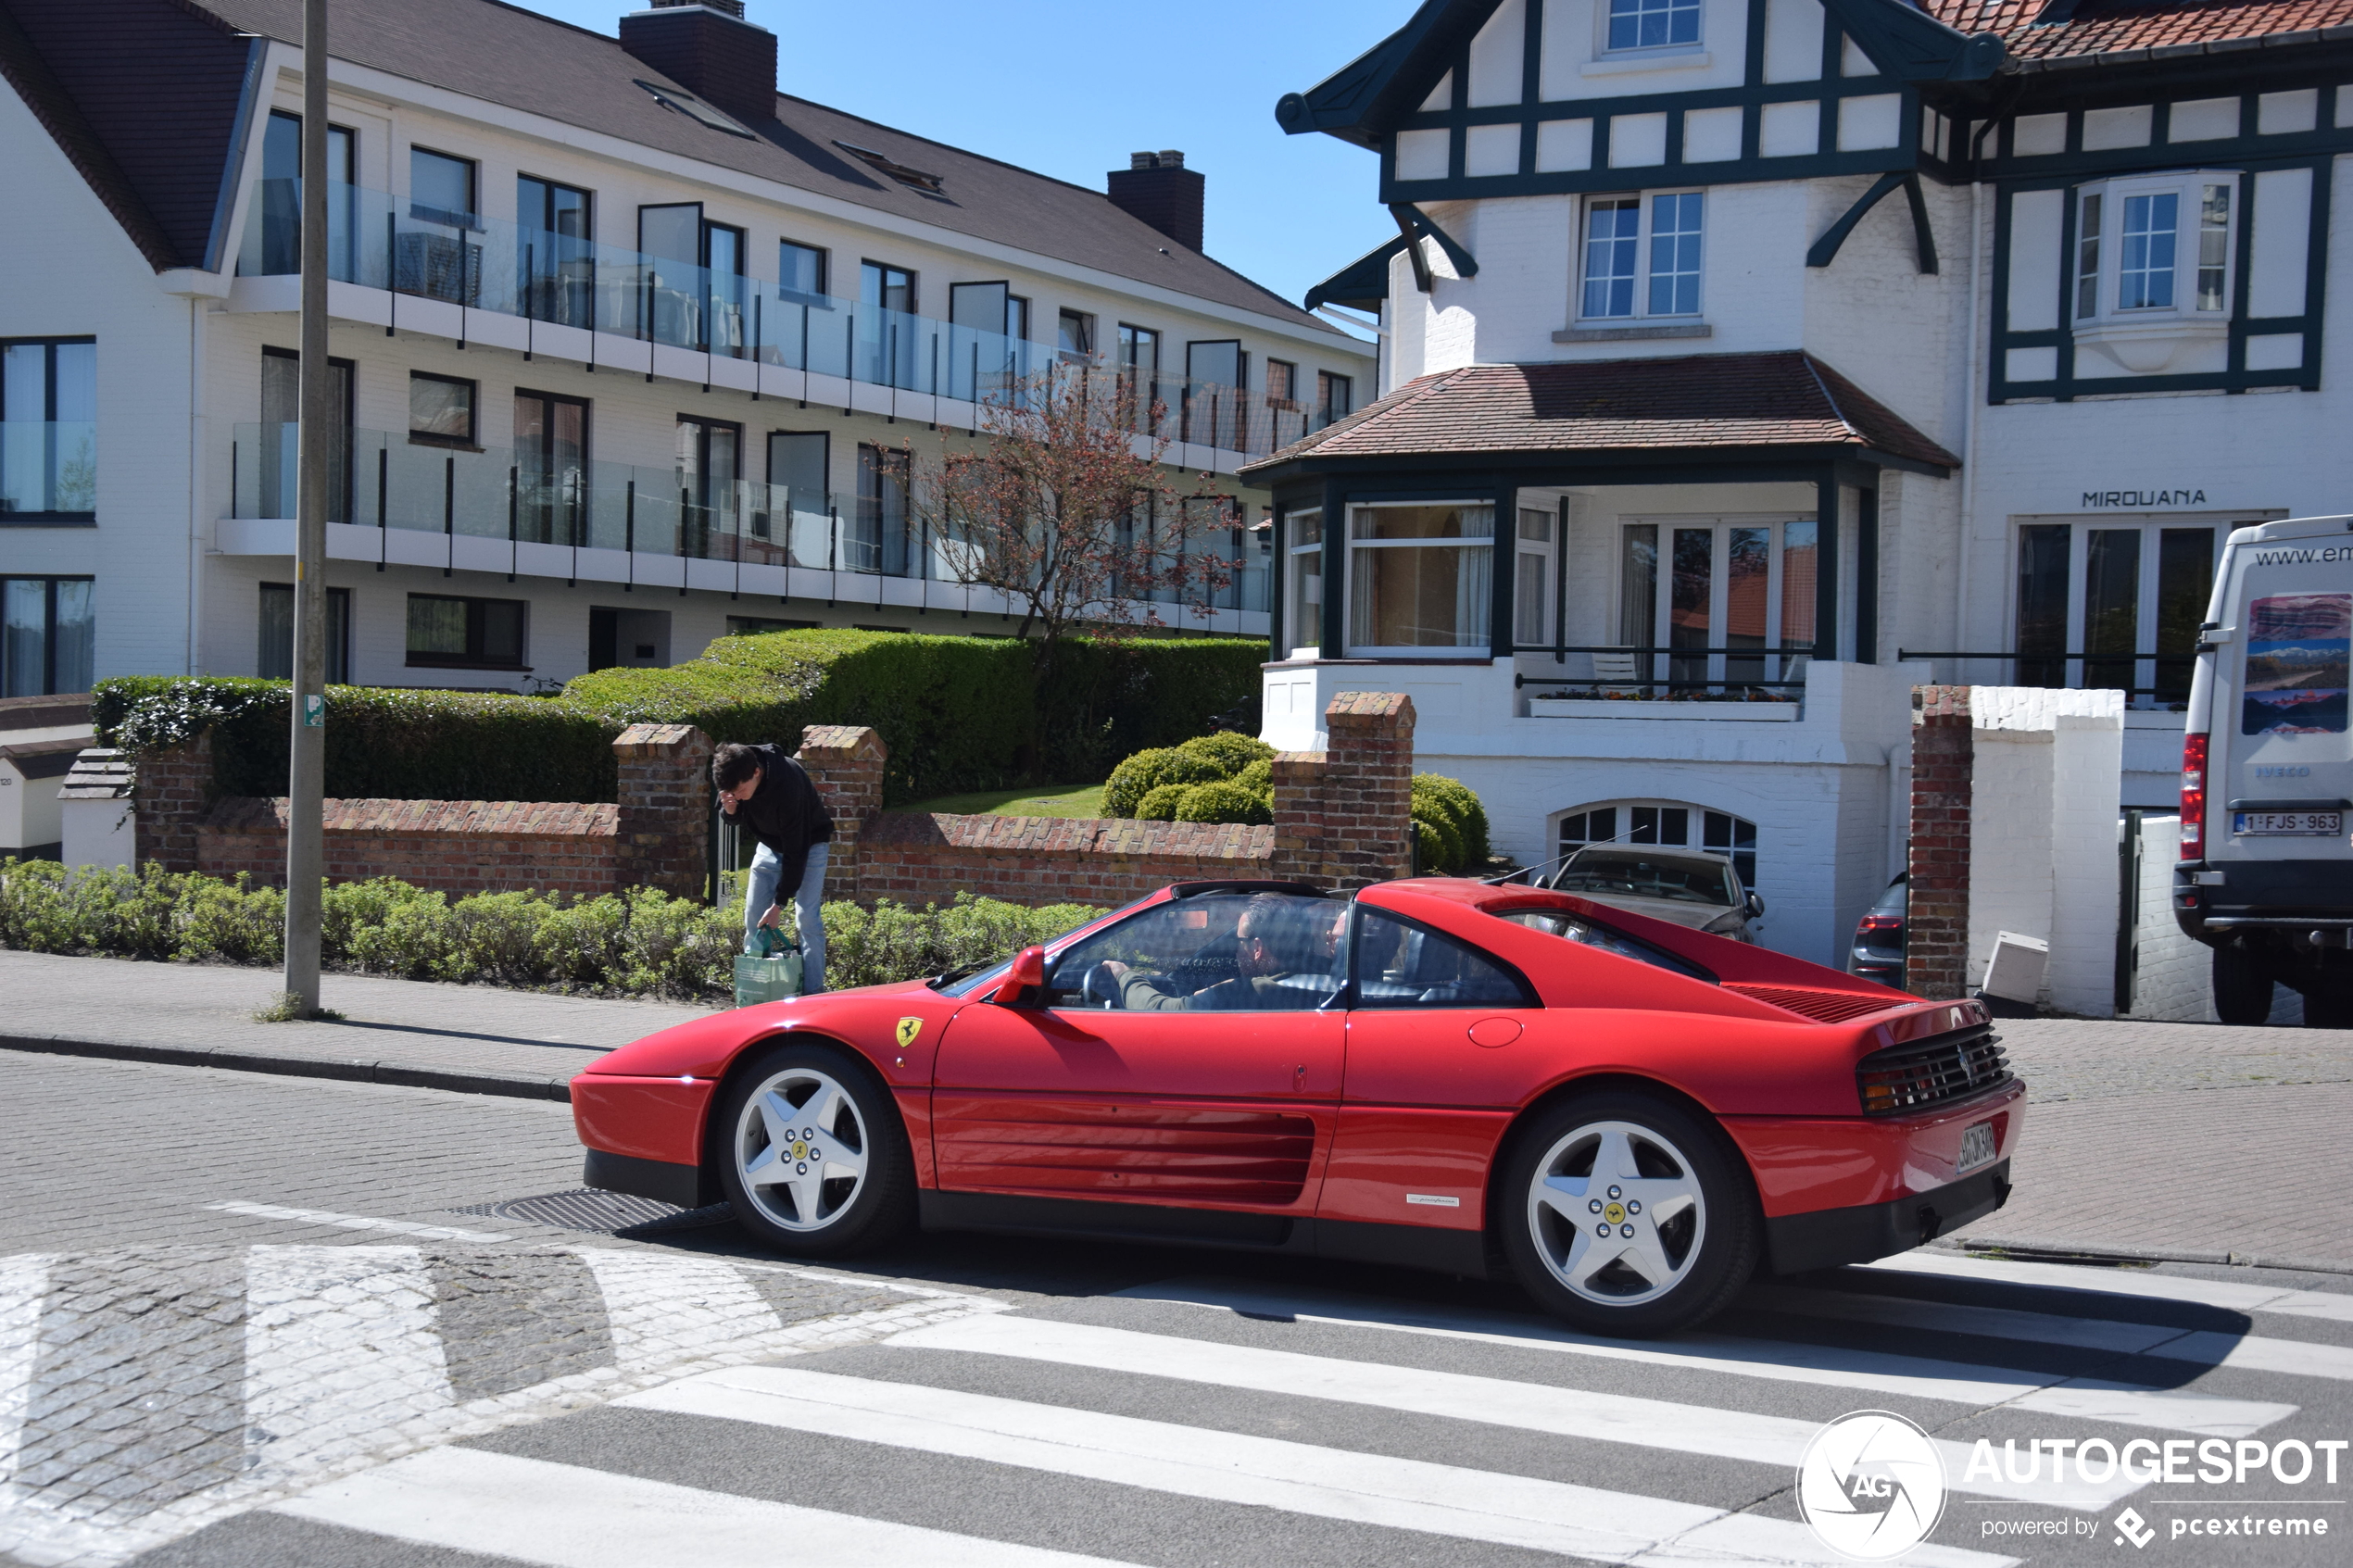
(1062, 507)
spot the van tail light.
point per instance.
(2194, 797)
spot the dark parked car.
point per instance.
(1879, 937)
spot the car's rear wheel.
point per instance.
(1626, 1214)
(2241, 985)
(811, 1152)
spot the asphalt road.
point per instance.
(254, 1322)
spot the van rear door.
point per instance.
(2280, 767)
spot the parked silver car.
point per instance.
(1688, 886)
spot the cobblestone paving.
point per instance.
(2079, 1060)
(159, 1390)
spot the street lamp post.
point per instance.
(319, 431)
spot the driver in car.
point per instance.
(1283, 953)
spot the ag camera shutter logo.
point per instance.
(1871, 1485)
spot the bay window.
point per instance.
(1420, 578)
(1303, 583)
(2153, 263)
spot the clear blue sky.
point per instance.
(1070, 87)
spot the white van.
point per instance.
(2266, 878)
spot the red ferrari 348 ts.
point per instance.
(1625, 1116)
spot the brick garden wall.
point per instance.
(457, 846)
(1341, 819)
(1943, 780)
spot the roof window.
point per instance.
(913, 179)
(678, 100)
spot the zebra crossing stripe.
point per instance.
(1872, 1372)
(1573, 1412)
(2248, 1352)
(341, 1349)
(565, 1516)
(2331, 1306)
(1364, 1488)
(355, 1222)
(24, 1280)
(663, 1309)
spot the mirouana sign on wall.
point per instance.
(2142, 500)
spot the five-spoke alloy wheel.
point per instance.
(811, 1152)
(1626, 1214)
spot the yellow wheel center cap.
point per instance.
(1615, 1212)
(801, 1152)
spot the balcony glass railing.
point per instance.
(48, 467)
(484, 264)
(382, 480)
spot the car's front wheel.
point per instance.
(811, 1152)
(1626, 1214)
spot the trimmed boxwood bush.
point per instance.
(958, 713)
(1451, 826)
(1160, 802)
(642, 942)
(1226, 801)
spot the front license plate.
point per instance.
(2318, 825)
(1977, 1148)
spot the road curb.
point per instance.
(2097, 1253)
(449, 1080)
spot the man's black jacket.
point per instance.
(784, 814)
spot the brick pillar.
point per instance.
(845, 761)
(1344, 817)
(665, 806)
(173, 790)
(1944, 772)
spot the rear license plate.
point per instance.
(2318, 825)
(1977, 1148)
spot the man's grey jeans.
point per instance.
(760, 891)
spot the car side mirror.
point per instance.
(1026, 974)
(1756, 906)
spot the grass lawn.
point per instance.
(1055, 800)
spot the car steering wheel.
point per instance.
(1101, 988)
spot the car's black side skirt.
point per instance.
(1828, 1237)
(656, 1179)
(1413, 1247)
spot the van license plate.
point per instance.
(2318, 825)
(1977, 1148)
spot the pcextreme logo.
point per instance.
(1871, 1485)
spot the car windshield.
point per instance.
(1632, 874)
(1584, 933)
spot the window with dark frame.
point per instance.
(551, 467)
(441, 410)
(275, 659)
(48, 428)
(1282, 385)
(1076, 335)
(276, 475)
(442, 189)
(556, 253)
(280, 197)
(801, 272)
(49, 635)
(881, 542)
(447, 632)
(1140, 371)
(709, 464)
(1335, 396)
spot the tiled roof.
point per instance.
(1711, 402)
(153, 80)
(2158, 29)
(142, 97)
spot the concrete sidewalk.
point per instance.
(473, 1039)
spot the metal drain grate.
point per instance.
(607, 1214)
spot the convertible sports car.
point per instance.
(1626, 1116)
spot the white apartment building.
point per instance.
(1744, 362)
(634, 349)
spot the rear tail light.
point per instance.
(2194, 797)
(1880, 923)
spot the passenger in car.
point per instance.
(1285, 951)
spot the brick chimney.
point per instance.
(707, 48)
(1158, 188)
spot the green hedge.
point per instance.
(642, 942)
(382, 743)
(959, 714)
